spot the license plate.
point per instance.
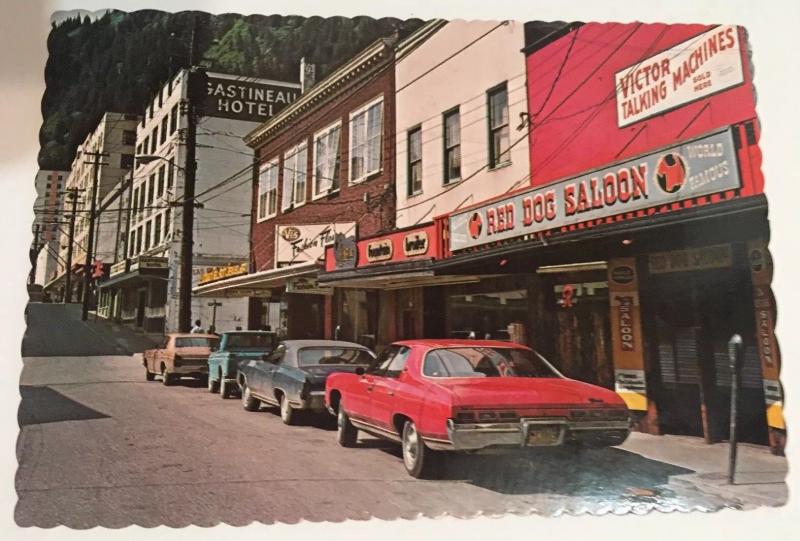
(543, 435)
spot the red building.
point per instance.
(642, 239)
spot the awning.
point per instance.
(135, 277)
(257, 283)
(403, 275)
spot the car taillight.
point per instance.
(465, 417)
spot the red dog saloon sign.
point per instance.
(698, 167)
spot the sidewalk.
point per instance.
(760, 475)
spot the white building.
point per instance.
(143, 289)
(458, 112)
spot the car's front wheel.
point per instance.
(420, 462)
(149, 376)
(346, 433)
(212, 385)
(287, 412)
(225, 390)
(249, 402)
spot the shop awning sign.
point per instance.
(699, 167)
(303, 243)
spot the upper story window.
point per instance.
(173, 119)
(295, 167)
(164, 129)
(366, 131)
(154, 140)
(170, 172)
(268, 191)
(498, 126)
(160, 190)
(452, 146)
(126, 161)
(327, 160)
(415, 161)
(128, 137)
(151, 187)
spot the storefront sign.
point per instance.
(698, 67)
(307, 285)
(303, 243)
(379, 250)
(144, 262)
(241, 98)
(626, 332)
(345, 252)
(415, 244)
(700, 167)
(761, 274)
(218, 273)
(120, 267)
(692, 259)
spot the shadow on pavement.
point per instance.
(45, 405)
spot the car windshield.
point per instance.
(482, 362)
(317, 356)
(252, 341)
(196, 342)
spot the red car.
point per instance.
(473, 396)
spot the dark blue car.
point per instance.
(293, 376)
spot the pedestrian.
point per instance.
(197, 328)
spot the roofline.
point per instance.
(418, 37)
(365, 57)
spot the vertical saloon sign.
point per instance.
(694, 69)
(695, 168)
(247, 98)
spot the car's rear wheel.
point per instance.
(212, 385)
(346, 433)
(149, 376)
(419, 461)
(288, 415)
(249, 402)
(167, 378)
(225, 390)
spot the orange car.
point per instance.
(181, 354)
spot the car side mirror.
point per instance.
(360, 371)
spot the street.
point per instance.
(101, 446)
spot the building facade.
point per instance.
(142, 289)
(48, 223)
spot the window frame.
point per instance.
(410, 191)
(325, 132)
(291, 154)
(271, 164)
(446, 181)
(364, 109)
(493, 160)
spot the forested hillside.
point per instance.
(117, 62)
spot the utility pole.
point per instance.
(195, 93)
(126, 243)
(34, 255)
(87, 274)
(73, 195)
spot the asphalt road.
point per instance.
(100, 446)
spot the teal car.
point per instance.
(234, 349)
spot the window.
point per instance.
(173, 119)
(154, 140)
(157, 231)
(60, 177)
(151, 187)
(268, 191)
(145, 145)
(452, 146)
(147, 236)
(161, 171)
(391, 361)
(415, 161)
(484, 362)
(142, 189)
(167, 215)
(139, 240)
(196, 342)
(295, 165)
(333, 356)
(164, 129)
(126, 161)
(326, 160)
(135, 202)
(128, 137)
(170, 173)
(498, 126)
(366, 129)
(132, 245)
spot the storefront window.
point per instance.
(357, 317)
(486, 315)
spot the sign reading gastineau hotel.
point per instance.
(247, 98)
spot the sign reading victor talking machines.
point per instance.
(695, 168)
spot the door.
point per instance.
(358, 403)
(261, 379)
(387, 388)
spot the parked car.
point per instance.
(234, 349)
(180, 354)
(471, 396)
(293, 375)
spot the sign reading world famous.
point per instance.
(302, 243)
(247, 98)
(694, 69)
(699, 167)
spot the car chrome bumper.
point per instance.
(190, 369)
(474, 437)
(315, 401)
